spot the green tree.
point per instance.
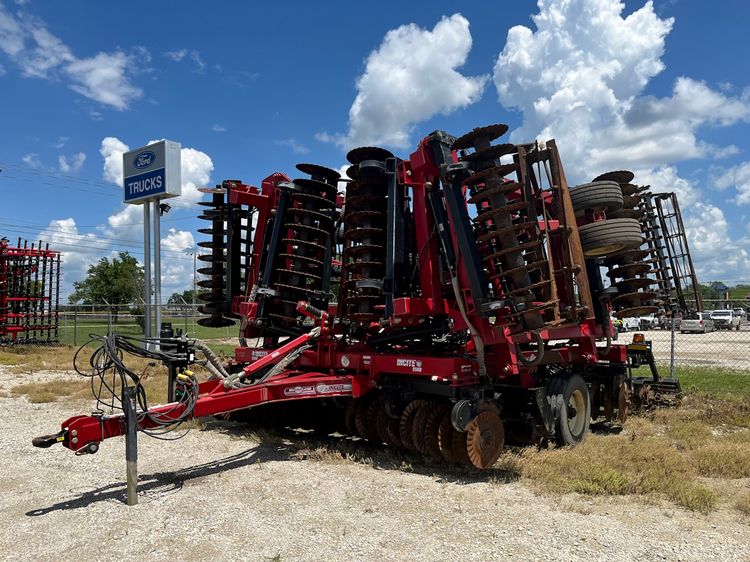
(177, 298)
(117, 282)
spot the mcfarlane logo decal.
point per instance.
(144, 159)
(320, 388)
(299, 391)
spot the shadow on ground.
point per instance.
(279, 445)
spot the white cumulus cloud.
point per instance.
(196, 166)
(73, 165)
(105, 77)
(409, 78)
(737, 177)
(580, 76)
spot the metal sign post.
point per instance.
(157, 265)
(131, 442)
(150, 173)
(147, 270)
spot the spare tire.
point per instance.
(607, 237)
(596, 196)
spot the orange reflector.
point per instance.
(638, 338)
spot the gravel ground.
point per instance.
(214, 495)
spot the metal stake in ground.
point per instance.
(131, 443)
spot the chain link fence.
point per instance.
(716, 338)
(77, 322)
(709, 345)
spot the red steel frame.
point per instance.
(27, 263)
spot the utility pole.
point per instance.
(193, 252)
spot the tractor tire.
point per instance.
(571, 406)
(596, 196)
(610, 236)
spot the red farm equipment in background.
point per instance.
(29, 293)
(446, 302)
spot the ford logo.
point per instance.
(144, 159)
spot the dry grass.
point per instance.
(155, 384)
(618, 465)
(663, 453)
(743, 503)
(50, 391)
(38, 358)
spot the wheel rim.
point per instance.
(576, 412)
(604, 250)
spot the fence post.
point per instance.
(75, 326)
(671, 351)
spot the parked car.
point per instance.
(639, 323)
(699, 322)
(617, 324)
(665, 322)
(725, 320)
(742, 313)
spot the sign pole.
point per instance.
(147, 269)
(157, 265)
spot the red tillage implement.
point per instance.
(446, 302)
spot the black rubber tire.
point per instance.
(608, 237)
(596, 196)
(571, 427)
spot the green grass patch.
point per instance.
(715, 381)
(77, 332)
(617, 465)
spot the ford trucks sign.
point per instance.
(152, 172)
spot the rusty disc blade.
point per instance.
(445, 437)
(633, 284)
(357, 155)
(489, 132)
(351, 409)
(319, 172)
(360, 415)
(371, 419)
(418, 426)
(406, 423)
(619, 176)
(460, 449)
(432, 430)
(623, 402)
(636, 311)
(485, 437)
(629, 270)
(491, 153)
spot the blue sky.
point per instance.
(661, 88)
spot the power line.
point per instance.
(63, 231)
(109, 242)
(113, 189)
(95, 225)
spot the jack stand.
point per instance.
(131, 443)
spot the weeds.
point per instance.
(743, 503)
(618, 465)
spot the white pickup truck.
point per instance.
(726, 320)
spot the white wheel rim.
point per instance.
(577, 402)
